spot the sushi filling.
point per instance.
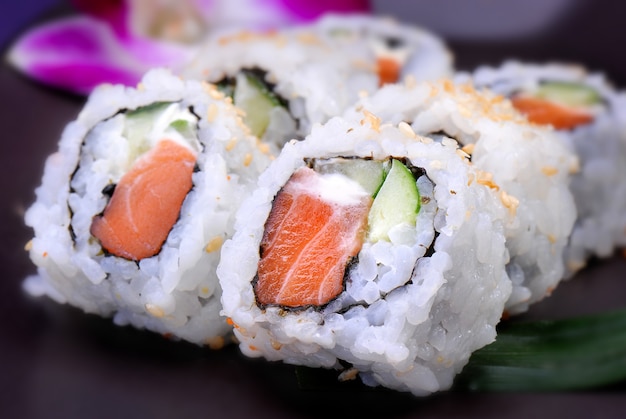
(321, 219)
(142, 161)
(391, 55)
(391, 52)
(265, 112)
(564, 105)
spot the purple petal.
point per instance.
(114, 12)
(310, 10)
(78, 53)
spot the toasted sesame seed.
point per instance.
(349, 374)
(509, 201)
(406, 130)
(214, 244)
(549, 170)
(212, 112)
(155, 310)
(215, 343)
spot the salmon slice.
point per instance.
(309, 239)
(545, 112)
(146, 202)
(388, 70)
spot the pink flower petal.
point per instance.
(78, 53)
(310, 10)
(114, 12)
(106, 44)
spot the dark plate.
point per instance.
(59, 362)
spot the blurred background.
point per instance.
(478, 31)
(58, 362)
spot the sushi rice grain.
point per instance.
(413, 308)
(176, 291)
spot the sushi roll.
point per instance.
(133, 208)
(287, 80)
(530, 164)
(396, 50)
(590, 115)
(367, 249)
(284, 81)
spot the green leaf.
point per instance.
(572, 354)
(540, 356)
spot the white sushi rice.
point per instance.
(407, 320)
(421, 54)
(315, 80)
(175, 292)
(530, 166)
(322, 68)
(598, 188)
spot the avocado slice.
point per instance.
(397, 202)
(568, 93)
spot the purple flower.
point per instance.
(117, 41)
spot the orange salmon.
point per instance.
(388, 70)
(307, 244)
(545, 112)
(146, 202)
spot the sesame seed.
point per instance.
(155, 310)
(214, 244)
(212, 112)
(215, 343)
(549, 170)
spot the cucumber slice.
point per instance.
(146, 125)
(397, 202)
(568, 93)
(253, 97)
(370, 174)
(138, 125)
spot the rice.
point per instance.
(529, 167)
(598, 187)
(316, 71)
(176, 291)
(413, 308)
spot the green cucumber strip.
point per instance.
(568, 93)
(180, 125)
(253, 97)
(147, 124)
(370, 174)
(184, 127)
(148, 110)
(138, 124)
(396, 202)
(571, 354)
